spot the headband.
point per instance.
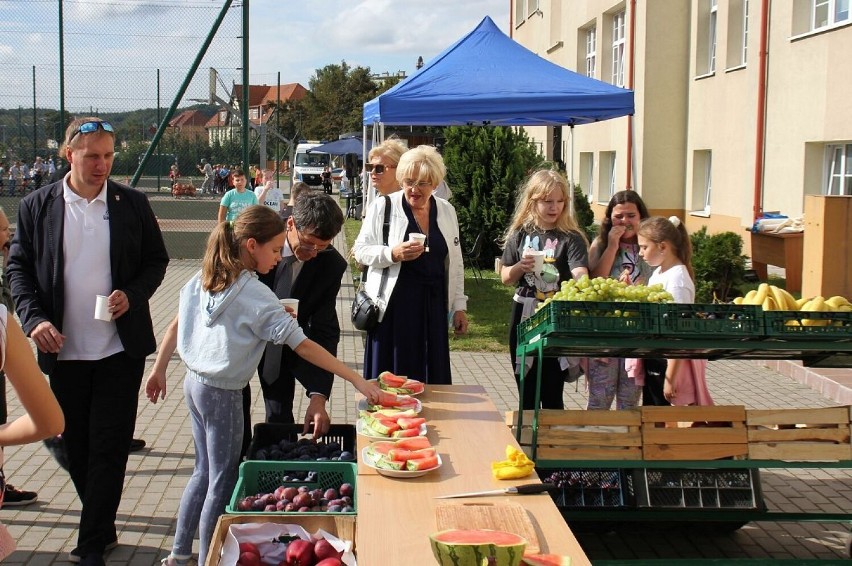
(675, 221)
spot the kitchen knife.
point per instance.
(518, 489)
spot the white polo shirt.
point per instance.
(86, 243)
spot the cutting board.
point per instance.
(509, 517)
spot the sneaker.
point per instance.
(17, 497)
(74, 556)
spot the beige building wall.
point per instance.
(692, 121)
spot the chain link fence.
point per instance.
(124, 61)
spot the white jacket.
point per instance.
(370, 251)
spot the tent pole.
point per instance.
(572, 156)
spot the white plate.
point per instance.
(409, 394)
(362, 429)
(367, 458)
(362, 406)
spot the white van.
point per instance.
(308, 165)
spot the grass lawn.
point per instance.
(488, 306)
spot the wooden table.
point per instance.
(396, 516)
(782, 250)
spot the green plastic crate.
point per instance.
(799, 325)
(263, 477)
(713, 320)
(588, 318)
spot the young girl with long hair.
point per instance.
(225, 318)
(664, 244)
(544, 221)
(615, 253)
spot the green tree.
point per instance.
(718, 263)
(335, 101)
(486, 166)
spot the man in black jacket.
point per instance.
(76, 239)
(310, 271)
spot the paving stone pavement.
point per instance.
(156, 476)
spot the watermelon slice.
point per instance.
(391, 380)
(418, 464)
(413, 387)
(458, 546)
(546, 560)
(416, 443)
(381, 448)
(410, 422)
(405, 433)
(401, 454)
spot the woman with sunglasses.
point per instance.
(383, 160)
(424, 281)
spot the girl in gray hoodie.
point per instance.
(225, 318)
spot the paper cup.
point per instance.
(102, 308)
(292, 303)
(417, 238)
(539, 259)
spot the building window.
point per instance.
(591, 48)
(532, 7)
(702, 181)
(737, 33)
(520, 16)
(254, 113)
(618, 49)
(825, 13)
(607, 185)
(587, 174)
(839, 168)
(711, 46)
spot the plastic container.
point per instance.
(584, 488)
(712, 320)
(799, 325)
(699, 488)
(588, 318)
(267, 434)
(265, 477)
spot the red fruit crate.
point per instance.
(264, 477)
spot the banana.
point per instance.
(749, 297)
(762, 292)
(836, 302)
(802, 302)
(769, 304)
(738, 300)
(817, 304)
(787, 302)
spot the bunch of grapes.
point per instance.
(610, 290)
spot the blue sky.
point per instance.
(114, 48)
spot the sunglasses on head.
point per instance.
(378, 168)
(89, 127)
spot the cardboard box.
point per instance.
(341, 526)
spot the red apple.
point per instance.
(324, 549)
(329, 562)
(290, 493)
(300, 553)
(249, 559)
(249, 547)
(347, 489)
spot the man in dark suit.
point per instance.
(310, 271)
(76, 239)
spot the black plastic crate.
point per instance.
(589, 318)
(801, 325)
(590, 488)
(266, 434)
(699, 488)
(713, 320)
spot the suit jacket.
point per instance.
(316, 287)
(138, 260)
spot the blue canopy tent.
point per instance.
(343, 146)
(487, 78)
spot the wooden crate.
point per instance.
(582, 435)
(799, 434)
(694, 433)
(341, 526)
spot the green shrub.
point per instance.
(719, 265)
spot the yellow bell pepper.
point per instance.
(515, 466)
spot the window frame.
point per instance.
(844, 177)
(618, 47)
(831, 13)
(712, 27)
(591, 51)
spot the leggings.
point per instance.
(217, 431)
(608, 380)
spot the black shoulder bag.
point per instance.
(365, 312)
